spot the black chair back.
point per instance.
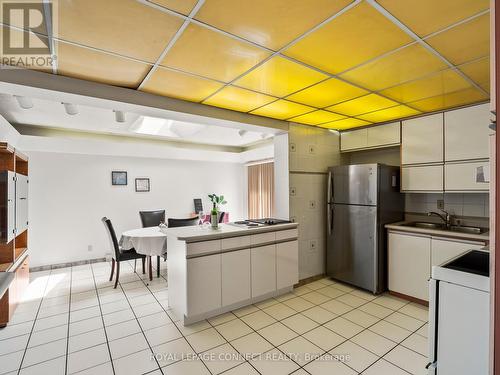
(221, 217)
(172, 223)
(112, 236)
(152, 218)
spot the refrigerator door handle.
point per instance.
(329, 201)
(329, 195)
(433, 323)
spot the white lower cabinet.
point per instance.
(263, 265)
(204, 284)
(409, 264)
(443, 250)
(287, 264)
(235, 277)
(412, 256)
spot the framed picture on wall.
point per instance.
(142, 185)
(119, 178)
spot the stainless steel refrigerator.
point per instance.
(361, 199)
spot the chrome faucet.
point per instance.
(446, 217)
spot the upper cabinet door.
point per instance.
(467, 133)
(384, 135)
(21, 203)
(353, 140)
(422, 140)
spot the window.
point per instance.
(261, 190)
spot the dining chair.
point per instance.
(153, 219)
(120, 254)
(172, 223)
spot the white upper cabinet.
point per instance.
(384, 135)
(422, 140)
(354, 139)
(374, 137)
(466, 133)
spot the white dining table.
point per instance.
(146, 241)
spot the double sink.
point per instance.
(452, 228)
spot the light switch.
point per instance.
(293, 191)
(312, 149)
(313, 245)
(312, 205)
(293, 147)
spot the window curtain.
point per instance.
(261, 190)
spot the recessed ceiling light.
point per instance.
(24, 102)
(71, 109)
(119, 116)
(149, 125)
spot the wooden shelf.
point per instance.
(19, 251)
(4, 267)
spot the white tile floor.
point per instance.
(73, 321)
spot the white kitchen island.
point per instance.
(214, 271)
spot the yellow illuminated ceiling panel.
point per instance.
(122, 26)
(364, 104)
(179, 85)
(282, 109)
(347, 123)
(467, 96)
(86, 64)
(181, 6)
(272, 24)
(437, 84)
(212, 55)
(242, 100)
(279, 77)
(465, 42)
(404, 65)
(427, 16)
(327, 93)
(388, 114)
(317, 117)
(354, 37)
(478, 71)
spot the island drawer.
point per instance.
(262, 238)
(236, 242)
(204, 247)
(287, 234)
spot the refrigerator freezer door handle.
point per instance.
(329, 195)
(329, 200)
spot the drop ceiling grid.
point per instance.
(189, 19)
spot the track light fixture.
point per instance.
(119, 116)
(24, 102)
(242, 133)
(71, 109)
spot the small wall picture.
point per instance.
(119, 178)
(142, 185)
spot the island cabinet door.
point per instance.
(235, 277)
(263, 270)
(287, 264)
(203, 284)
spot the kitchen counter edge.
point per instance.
(198, 235)
(401, 227)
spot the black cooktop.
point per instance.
(265, 221)
(476, 262)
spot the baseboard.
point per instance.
(63, 265)
(309, 280)
(409, 298)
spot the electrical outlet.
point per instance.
(312, 149)
(440, 204)
(293, 147)
(90, 248)
(313, 245)
(312, 205)
(293, 191)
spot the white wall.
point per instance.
(69, 193)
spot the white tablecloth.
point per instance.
(147, 241)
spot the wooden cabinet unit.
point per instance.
(14, 219)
